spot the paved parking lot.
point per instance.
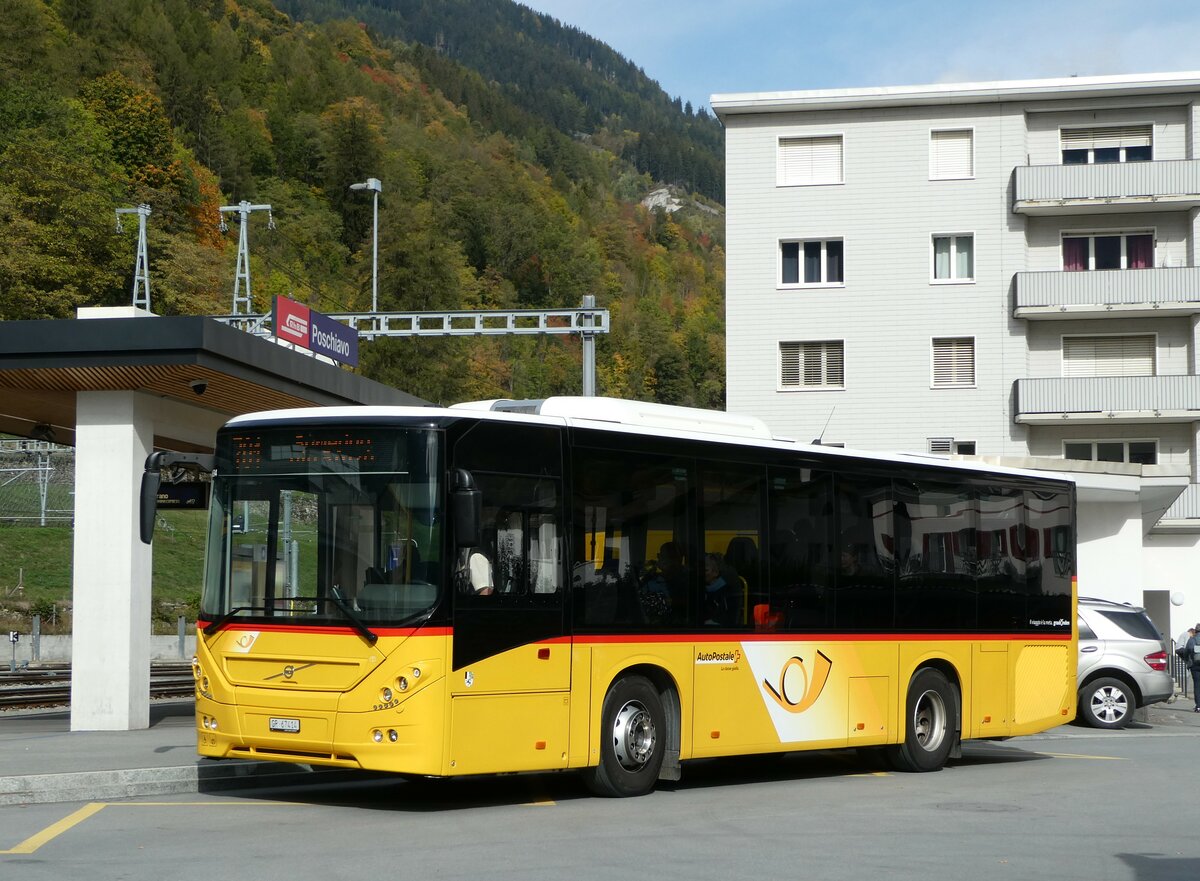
(1073, 803)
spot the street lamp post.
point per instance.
(373, 184)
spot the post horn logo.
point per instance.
(799, 690)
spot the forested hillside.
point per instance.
(555, 71)
(487, 203)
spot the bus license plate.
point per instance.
(290, 726)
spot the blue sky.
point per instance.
(701, 47)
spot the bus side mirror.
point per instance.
(148, 508)
(152, 481)
(468, 510)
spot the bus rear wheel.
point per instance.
(930, 723)
(632, 740)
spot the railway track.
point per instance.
(49, 685)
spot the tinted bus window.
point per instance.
(1005, 545)
(865, 592)
(937, 555)
(1050, 517)
(801, 561)
(730, 513)
(633, 564)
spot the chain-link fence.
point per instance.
(37, 480)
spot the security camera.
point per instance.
(199, 386)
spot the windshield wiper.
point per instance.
(214, 626)
(335, 594)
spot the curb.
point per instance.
(203, 776)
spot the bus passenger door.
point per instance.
(511, 675)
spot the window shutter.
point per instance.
(951, 155)
(834, 367)
(954, 361)
(1109, 136)
(789, 364)
(811, 364)
(810, 160)
(1109, 356)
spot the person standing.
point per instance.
(1193, 664)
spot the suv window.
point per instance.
(1136, 624)
(1085, 630)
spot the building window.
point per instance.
(814, 262)
(953, 362)
(811, 365)
(1123, 250)
(952, 154)
(1114, 355)
(1098, 146)
(809, 161)
(948, 445)
(1138, 452)
(954, 258)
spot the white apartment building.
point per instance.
(1007, 270)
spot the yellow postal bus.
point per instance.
(617, 588)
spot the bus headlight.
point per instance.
(392, 735)
(377, 736)
(385, 695)
(196, 671)
(402, 683)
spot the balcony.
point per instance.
(1107, 400)
(1185, 508)
(1130, 293)
(1119, 187)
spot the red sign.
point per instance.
(292, 320)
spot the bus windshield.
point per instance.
(316, 526)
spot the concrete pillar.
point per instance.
(110, 668)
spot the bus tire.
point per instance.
(930, 723)
(632, 740)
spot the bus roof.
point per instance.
(639, 418)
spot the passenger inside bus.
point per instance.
(474, 573)
(664, 593)
(722, 601)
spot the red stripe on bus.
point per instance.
(333, 628)
(641, 638)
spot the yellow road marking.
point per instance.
(33, 842)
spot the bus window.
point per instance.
(936, 555)
(800, 552)
(1050, 517)
(865, 595)
(1003, 565)
(730, 511)
(520, 537)
(633, 564)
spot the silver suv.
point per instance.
(1122, 663)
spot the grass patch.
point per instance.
(39, 558)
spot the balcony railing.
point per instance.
(1130, 292)
(1117, 186)
(1187, 506)
(1108, 399)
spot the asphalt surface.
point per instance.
(43, 761)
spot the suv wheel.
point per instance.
(1106, 703)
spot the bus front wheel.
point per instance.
(930, 723)
(632, 740)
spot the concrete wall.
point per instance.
(56, 649)
(1110, 551)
